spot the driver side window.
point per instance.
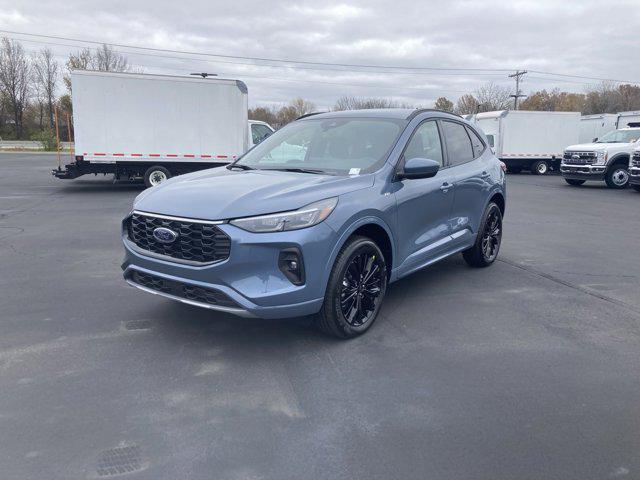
(425, 143)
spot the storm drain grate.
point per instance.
(120, 460)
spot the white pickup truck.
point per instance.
(607, 158)
(634, 170)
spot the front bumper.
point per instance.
(249, 280)
(634, 176)
(583, 172)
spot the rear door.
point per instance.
(469, 166)
(424, 205)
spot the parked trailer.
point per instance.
(529, 140)
(595, 126)
(157, 126)
(627, 118)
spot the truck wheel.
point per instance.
(514, 169)
(156, 175)
(541, 167)
(617, 177)
(485, 251)
(573, 182)
(355, 290)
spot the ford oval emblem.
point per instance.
(575, 156)
(164, 235)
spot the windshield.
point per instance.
(339, 146)
(620, 136)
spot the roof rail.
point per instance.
(309, 115)
(418, 111)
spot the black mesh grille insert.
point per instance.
(208, 296)
(196, 242)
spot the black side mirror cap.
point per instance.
(419, 168)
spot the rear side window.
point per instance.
(476, 143)
(491, 141)
(458, 143)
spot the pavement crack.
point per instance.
(586, 291)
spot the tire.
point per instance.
(478, 256)
(541, 167)
(156, 175)
(346, 291)
(617, 177)
(573, 182)
(514, 169)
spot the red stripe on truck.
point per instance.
(205, 156)
(99, 154)
(171, 155)
(222, 156)
(118, 154)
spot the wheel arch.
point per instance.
(619, 158)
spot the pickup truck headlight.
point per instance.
(304, 217)
(601, 158)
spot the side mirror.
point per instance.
(419, 168)
(595, 139)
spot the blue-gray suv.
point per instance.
(320, 217)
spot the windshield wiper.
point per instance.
(300, 170)
(241, 166)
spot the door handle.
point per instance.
(445, 187)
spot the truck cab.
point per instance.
(605, 159)
(258, 131)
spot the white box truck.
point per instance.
(628, 119)
(157, 126)
(595, 126)
(529, 140)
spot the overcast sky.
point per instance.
(587, 38)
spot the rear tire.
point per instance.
(485, 251)
(574, 182)
(156, 175)
(355, 290)
(617, 177)
(541, 167)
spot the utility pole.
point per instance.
(517, 95)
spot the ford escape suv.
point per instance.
(320, 217)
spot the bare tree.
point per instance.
(45, 69)
(14, 79)
(467, 103)
(362, 103)
(105, 59)
(493, 97)
(264, 114)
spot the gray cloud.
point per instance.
(573, 37)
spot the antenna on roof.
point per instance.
(204, 74)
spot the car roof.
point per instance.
(392, 113)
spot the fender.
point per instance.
(616, 157)
(370, 219)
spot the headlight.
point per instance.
(304, 217)
(601, 157)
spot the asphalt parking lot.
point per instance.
(526, 370)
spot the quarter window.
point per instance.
(458, 143)
(476, 143)
(425, 143)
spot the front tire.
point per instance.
(356, 288)
(541, 167)
(617, 177)
(485, 251)
(156, 175)
(574, 182)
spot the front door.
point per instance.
(424, 205)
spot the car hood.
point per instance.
(220, 194)
(586, 147)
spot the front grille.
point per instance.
(196, 242)
(207, 296)
(586, 158)
(635, 161)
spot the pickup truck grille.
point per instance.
(196, 242)
(585, 158)
(635, 160)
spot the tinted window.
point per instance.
(458, 143)
(476, 143)
(425, 143)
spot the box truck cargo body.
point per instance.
(529, 140)
(127, 123)
(595, 126)
(627, 118)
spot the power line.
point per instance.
(517, 95)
